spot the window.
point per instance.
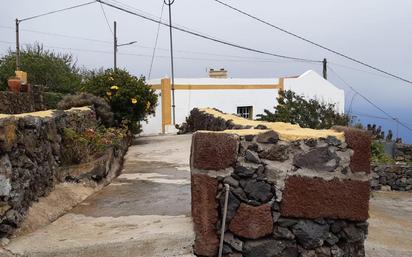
(245, 112)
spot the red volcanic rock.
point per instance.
(252, 222)
(314, 198)
(360, 142)
(214, 151)
(205, 214)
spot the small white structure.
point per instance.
(245, 97)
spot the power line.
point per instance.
(201, 35)
(251, 58)
(155, 44)
(147, 55)
(361, 70)
(56, 11)
(314, 43)
(105, 17)
(371, 116)
(371, 102)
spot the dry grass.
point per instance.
(286, 131)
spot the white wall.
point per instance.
(312, 86)
(154, 122)
(224, 100)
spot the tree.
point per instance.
(311, 113)
(56, 72)
(129, 97)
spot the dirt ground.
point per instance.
(390, 225)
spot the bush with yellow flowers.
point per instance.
(129, 97)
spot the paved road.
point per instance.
(390, 225)
(144, 212)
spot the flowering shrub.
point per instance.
(92, 143)
(129, 97)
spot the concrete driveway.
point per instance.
(390, 225)
(143, 212)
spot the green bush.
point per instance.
(378, 153)
(55, 72)
(311, 113)
(101, 107)
(51, 100)
(130, 98)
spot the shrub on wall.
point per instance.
(56, 72)
(129, 97)
(295, 109)
(104, 114)
(51, 100)
(90, 144)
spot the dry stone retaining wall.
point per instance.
(397, 177)
(15, 103)
(30, 162)
(304, 198)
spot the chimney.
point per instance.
(218, 74)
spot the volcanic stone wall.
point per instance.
(307, 197)
(397, 177)
(15, 103)
(29, 157)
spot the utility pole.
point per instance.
(115, 46)
(169, 3)
(325, 68)
(17, 45)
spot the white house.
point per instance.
(246, 97)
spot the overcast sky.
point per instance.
(375, 31)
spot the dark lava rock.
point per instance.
(333, 141)
(311, 142)
(231, 181)
(261, 126)
(286, 222)
(263, 248)
(249, 138)
(331, 239)
(290, 251)
(239, 193)
(353, 234)
(227, 249)
(319, 159)
(252, 157)
(337, 226)
(235, 243)
(259, 191)
(310, 234)
(283, 233)
(270, 137)
(275, 153)
(243, 172)
(232, 205)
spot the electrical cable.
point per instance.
(56, 11)
(314, 43)
(370, 101)
(200, 35)
(105, 17)
(155, 44)
(147, 55)
(251, 58)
